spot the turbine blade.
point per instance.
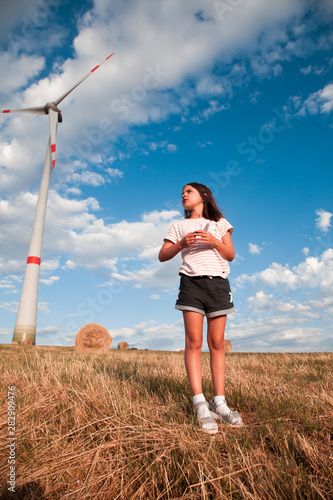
(35, 111)
(53, 132)
(61, 98)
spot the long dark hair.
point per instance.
(210, 209)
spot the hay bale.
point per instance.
(123, 345)
(227, 346)
(93, 338)
(27, 342)
(14, 342)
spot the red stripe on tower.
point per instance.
(53, 148)
(33, 260)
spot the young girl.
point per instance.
(204, 240)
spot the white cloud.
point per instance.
(238, 259)
(319, 102)
(326, 97)
(114, 173)
(24, 23)
(276, 303)
(254, 249)
(278, 274)
(254, 97)
(316, 271)
(13, 14)
(325, 304)
(209, 86)
(323, 221)
(149, 253)
(9, 306)
(49, 265)
(172, 148)
(43, 307)
(8, 284)
(24, 68)
(317, 70)
(89, 178)
(156, 217)
(269, 334)
(306, 251)
(163, 146)
(151, 335)
(307, 70)
(313, 272)
(213, 108)
(74, 190)
(49, 281)
(204, 144)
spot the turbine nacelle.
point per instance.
(53, 107)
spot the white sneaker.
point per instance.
(204, 418)
(220, 411)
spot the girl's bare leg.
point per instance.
(193, 323)
(215, 339)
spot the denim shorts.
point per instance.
(210, 296)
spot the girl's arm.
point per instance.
(170, 249)
(225, 247)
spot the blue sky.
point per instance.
(235, 94)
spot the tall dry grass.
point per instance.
(120, 426)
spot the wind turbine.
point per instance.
(25, 326)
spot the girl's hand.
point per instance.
(225, 247)
(170, 249)
(205, 238)
(188, 241)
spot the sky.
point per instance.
(234, 94)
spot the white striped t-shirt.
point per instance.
(201, 260)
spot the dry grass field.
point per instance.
(120, 426)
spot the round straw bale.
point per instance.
(123, 345)
(93, 338)
(27, 342)
(227, 346)
(14, 342)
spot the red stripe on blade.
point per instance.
(6, 111)
(53, 163)
(53, 148)
(94, 69)
(109, 56)
(33, 260)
